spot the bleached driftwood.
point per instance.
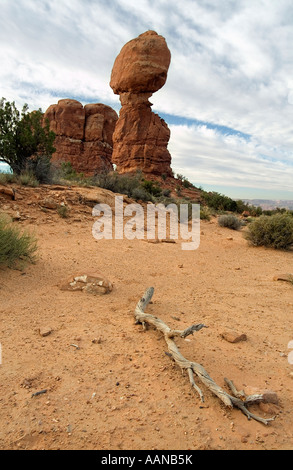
(237, 399)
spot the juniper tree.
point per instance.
(24, 136)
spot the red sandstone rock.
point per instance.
(83, 135)
(140, 141)
(67, 118)
(233, 336)
(141, 137)
(100, 121)
(142, 65)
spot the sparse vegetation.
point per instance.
(275, 231)
(230, 221)
(205, 213)
(16, 247)
(218, 201)
(63, 211)
(66, 172)
(27, 178)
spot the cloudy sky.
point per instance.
(228, 99)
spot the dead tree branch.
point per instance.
(236, 399)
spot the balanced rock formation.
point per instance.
(141, 137)
(83, 135)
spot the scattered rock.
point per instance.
(284, 277)
(15, 216)
(7, 191)
(160, 240)
(97, 340)
(92, 283)
(233, 336)
(243, 433)
(49, 204)
(45, 331)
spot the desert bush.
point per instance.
(230, 221)
(41, 168)
(275, 231)
(141, 194)
(6, 178)
(67, 172)
(219, 201)
(16, 247)
(63, 211)
(205, 213)
(151, 188)
(166, 192)
(26, 178)
(134, 186)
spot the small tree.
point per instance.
(23, 136)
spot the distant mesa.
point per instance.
(141, 137)
(83, 134)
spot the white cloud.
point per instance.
(213, 158)
(231, 66)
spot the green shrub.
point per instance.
(205, 213)
(151, 188)
(219, 201)
(15, 247)
(166, 192)
(230, 221)
(275, 231)
(141, 194)
(41, 168)
(6, 178)
(67, 172)
(27, 178)
(63, 211)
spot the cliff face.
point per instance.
(83, 135)
(141, 137)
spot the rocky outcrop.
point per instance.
(141, 137)
(83, 135)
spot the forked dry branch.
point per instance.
(238, 399)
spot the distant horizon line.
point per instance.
(4, 165)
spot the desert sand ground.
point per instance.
(110, 384)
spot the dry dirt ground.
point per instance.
(109, 384)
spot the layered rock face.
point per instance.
(83, 135)
(141, 137)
